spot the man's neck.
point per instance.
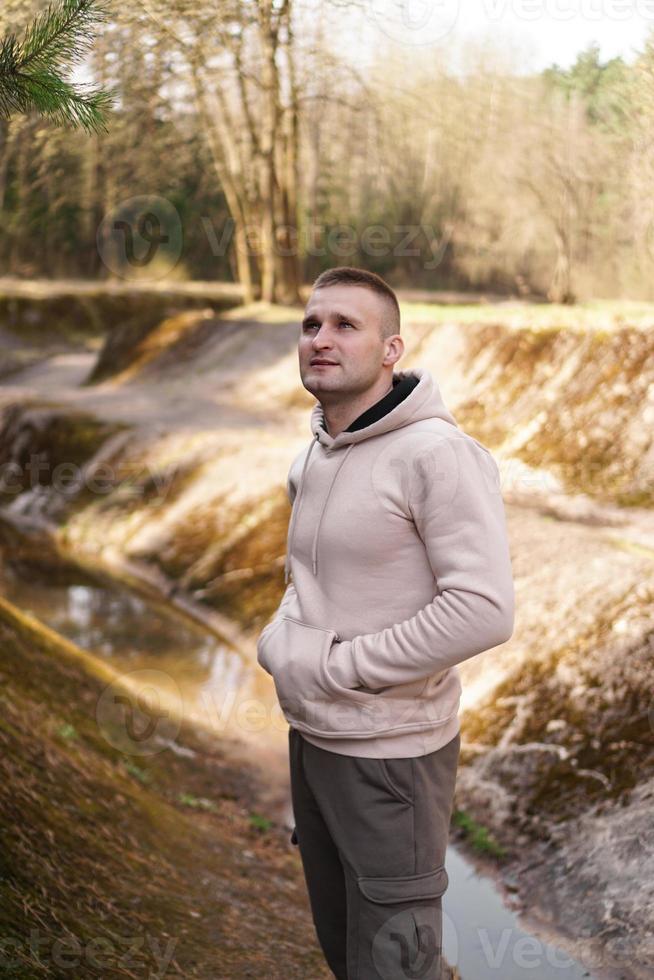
(340, 414)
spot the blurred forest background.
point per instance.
(282, 155)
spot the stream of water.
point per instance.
(485, 940)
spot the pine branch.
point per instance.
(60, 36)
(31, 69)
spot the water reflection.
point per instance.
(132, 632)
(483, 938)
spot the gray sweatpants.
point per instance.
(372, 835)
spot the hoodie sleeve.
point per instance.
(455, 502)
(286, 600)
(291, 490)
(290, 593)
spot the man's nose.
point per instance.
(321, 339)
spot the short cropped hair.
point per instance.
(346, 275)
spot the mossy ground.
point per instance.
(231, 558)
(589, 702)
(115, 864)
(77, 311)
(476, 836)
(592, 427)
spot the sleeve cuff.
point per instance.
(340, 665)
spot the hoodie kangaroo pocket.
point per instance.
(262, 644)
(294, 653)
(361, 712)
(297, 656)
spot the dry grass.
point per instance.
(107, 854)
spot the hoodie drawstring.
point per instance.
(314, 553)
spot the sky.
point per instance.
(534, 33)
(541, 32)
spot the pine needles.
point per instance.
(32, 69)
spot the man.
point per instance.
(397, 569)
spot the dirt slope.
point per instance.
(126, 863)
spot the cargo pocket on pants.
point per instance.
(400, 926)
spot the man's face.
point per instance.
(341, 351)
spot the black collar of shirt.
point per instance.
(401, 388)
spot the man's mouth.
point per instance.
(321, 363)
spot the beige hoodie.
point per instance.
(400, 569)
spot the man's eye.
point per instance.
(341, 323)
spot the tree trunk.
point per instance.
(560, 289)
(19, 224)
(235, 204)
(269, 129)
(289, 273)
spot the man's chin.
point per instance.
(317, 383)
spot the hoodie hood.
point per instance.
(424, 401)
